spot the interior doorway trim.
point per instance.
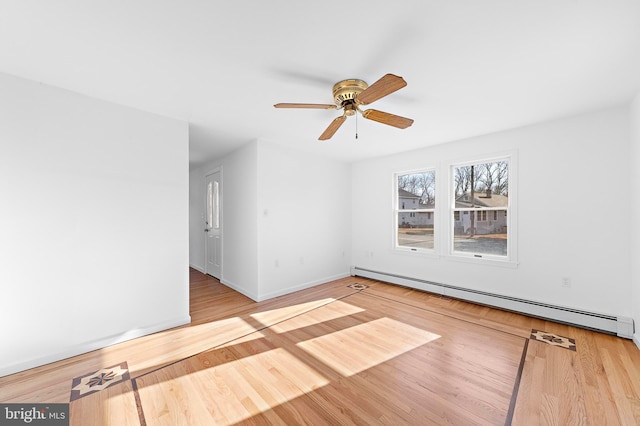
(213, 222)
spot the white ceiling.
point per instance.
(472, 67)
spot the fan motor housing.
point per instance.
(348, 90)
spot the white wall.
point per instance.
(634, 166)
(240, 225)
(572, 174)
(93, 223)
(304, 211)
(196, 218)
(286, 219)
(239, 222)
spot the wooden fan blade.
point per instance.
(333, 127)
(312, 106)
(386, 118)
(381, 88)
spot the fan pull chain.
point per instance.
(356, 125)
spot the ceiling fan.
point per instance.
(350, 94)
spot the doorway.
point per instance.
(213, 224)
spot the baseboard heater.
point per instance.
(620, 326)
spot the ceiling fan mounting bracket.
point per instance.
(346, 91)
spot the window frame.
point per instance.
(511, 258)
(397, 211)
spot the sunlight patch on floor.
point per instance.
(276, 315)
(369, 345)
(329, 312)
(236, 390)
(244, 339)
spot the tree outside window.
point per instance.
(415, 210)
(483, 190)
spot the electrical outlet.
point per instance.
(566, 282)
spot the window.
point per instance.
(213, 205)
(481, 189)
(415, 210)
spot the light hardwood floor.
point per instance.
(334, 354)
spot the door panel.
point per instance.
(213, 225)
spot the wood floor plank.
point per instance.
(223, 321)
(351, 357)
(115, 406)
(335, 355)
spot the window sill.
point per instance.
(415, 252)
(487, 260)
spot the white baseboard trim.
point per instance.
(303, 286)
(282, 292)
(636, 340)
(239, 289)
(197, 268)
(82, 348)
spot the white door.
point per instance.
(213, 225)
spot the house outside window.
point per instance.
(415, 210)
(481, 189)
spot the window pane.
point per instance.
(481, 236)
(209, 204)
(415, 230)
(481, 193)
(482, 185)
(417, 190)
(216, 205)
(213, 205)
